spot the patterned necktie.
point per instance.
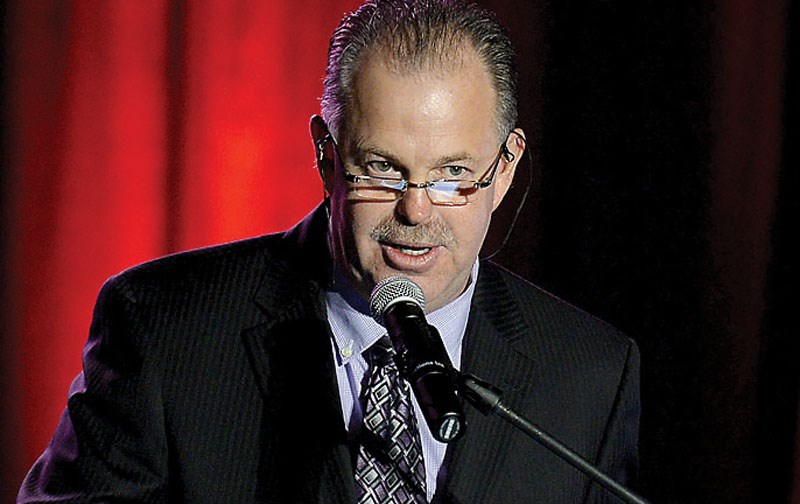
(389, 468)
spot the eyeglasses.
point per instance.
(444, 191)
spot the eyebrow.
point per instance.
(362, 149)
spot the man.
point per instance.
(247, 372)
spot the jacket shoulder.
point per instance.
(194, 270)
(545, 316)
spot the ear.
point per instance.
(323, 150)
(515, 143)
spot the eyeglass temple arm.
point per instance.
(321, 143)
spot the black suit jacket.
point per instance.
(208, 377)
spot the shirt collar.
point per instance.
(354, 330)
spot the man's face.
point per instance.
(422, 125)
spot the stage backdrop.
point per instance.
(139, 129)
(663, 197)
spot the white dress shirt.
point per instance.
(354, 331)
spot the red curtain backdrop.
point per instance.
(140, 129)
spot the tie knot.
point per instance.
(381, 352)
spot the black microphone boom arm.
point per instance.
(487, 399)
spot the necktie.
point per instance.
(389, 467)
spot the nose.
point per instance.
(414, 207)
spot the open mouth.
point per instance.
(410, 258)
(410, 250)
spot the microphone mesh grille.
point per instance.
(390, 290)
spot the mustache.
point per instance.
(435, 232)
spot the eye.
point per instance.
(381, 169)
(454, 172)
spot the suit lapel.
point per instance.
(304, 452)
(490, 354)
(304, 455)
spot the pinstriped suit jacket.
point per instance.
(208, 377)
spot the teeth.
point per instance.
(414, 252)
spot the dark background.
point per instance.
(664, 200)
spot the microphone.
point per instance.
(397, 303)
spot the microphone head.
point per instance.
(391, 290)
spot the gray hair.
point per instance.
(417, 35)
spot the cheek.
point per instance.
(470, 229)
(361, 220)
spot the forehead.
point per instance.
(421, 107)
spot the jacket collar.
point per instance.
(304, 453)
(299, 266)
(491, 352)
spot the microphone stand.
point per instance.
(486, 399)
